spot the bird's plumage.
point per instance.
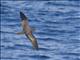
(28, 31)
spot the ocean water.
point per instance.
(57, 29)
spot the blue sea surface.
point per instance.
(57, 29)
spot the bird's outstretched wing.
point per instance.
(28, 31)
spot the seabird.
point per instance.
(27, 30)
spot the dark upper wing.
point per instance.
(23, 17)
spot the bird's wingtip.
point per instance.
(23, 17)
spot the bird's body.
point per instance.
(28, 31)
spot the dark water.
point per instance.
(57, 29)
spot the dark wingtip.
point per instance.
(23, 17)
(36, 48)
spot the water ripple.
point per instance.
(57, 25)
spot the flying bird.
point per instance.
(27, 30)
